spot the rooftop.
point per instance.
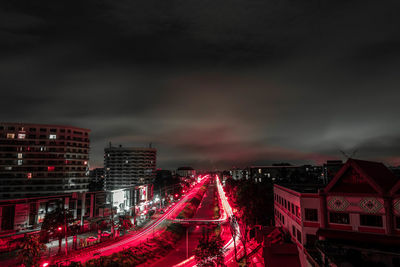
(303, 188)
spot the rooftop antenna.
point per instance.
(110, 144)
(150, 145)
(347, 155)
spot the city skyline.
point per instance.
(211, 85)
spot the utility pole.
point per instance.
(66, 233)
(187, 242)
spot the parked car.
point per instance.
(105, 234)
(91, 239)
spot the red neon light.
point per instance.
(50, 168)
(59, 228)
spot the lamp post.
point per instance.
(66, 234)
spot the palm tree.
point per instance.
(31, 251)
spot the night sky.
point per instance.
(212, 84)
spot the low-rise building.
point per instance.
(361, 204)
(186, 172)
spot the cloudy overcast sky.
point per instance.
(211, 83)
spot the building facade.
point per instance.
(361, 204)
(26, 214)
(129, 166)
(96, 179)
(186, 172)
(238, 174)
(284, 173)
(37, 159)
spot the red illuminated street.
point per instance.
(154, 133)
(133, 239)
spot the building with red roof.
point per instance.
(360, 205)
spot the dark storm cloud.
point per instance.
(210, 83)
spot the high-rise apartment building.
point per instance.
(37, 159)
(129, 166)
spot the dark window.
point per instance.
(371, 220)
(299, 236)
(310, 240)
(311, 215)
(398, 222)
(292, 208)
(342, 218)
(294, 231)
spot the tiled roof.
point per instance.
(378, 172)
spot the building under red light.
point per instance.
(38, 159)
(360, 205)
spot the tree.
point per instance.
(124, 224)
(255, 206)
(56, 223)
(233, 225)
(209, 252)
(31, 251)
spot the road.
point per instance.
(204, 212)
(226, 210)
(178, 256)
(138, 237)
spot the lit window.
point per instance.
(52, 136)
(10, 136)
(20, 155)
(51, 168)
(259, 171)
(29, 175)
(19, 162)
(21, 136)
(8, 168)
(85, 162)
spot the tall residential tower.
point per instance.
(129, 166)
